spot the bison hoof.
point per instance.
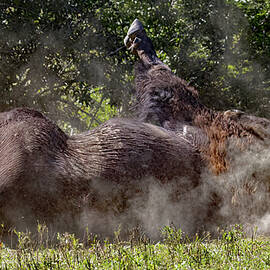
(131, 40)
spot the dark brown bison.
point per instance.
(92, 179)
(134, 173)
(235, 145)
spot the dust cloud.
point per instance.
(239, 196)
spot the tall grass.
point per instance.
(232, 250)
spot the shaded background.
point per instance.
(55, 55)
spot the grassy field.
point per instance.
(232, 250)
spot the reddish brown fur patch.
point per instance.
(219, 129)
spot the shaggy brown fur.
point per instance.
(48, 176)
(163, 98)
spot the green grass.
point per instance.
(232, 250)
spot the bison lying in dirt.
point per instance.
(196, 168)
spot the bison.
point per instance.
(180, 162)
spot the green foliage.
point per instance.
(232, 250)
(52, 59)
(54, 55)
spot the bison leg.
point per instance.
(162, 98)
(139, 43)
(152, 100)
